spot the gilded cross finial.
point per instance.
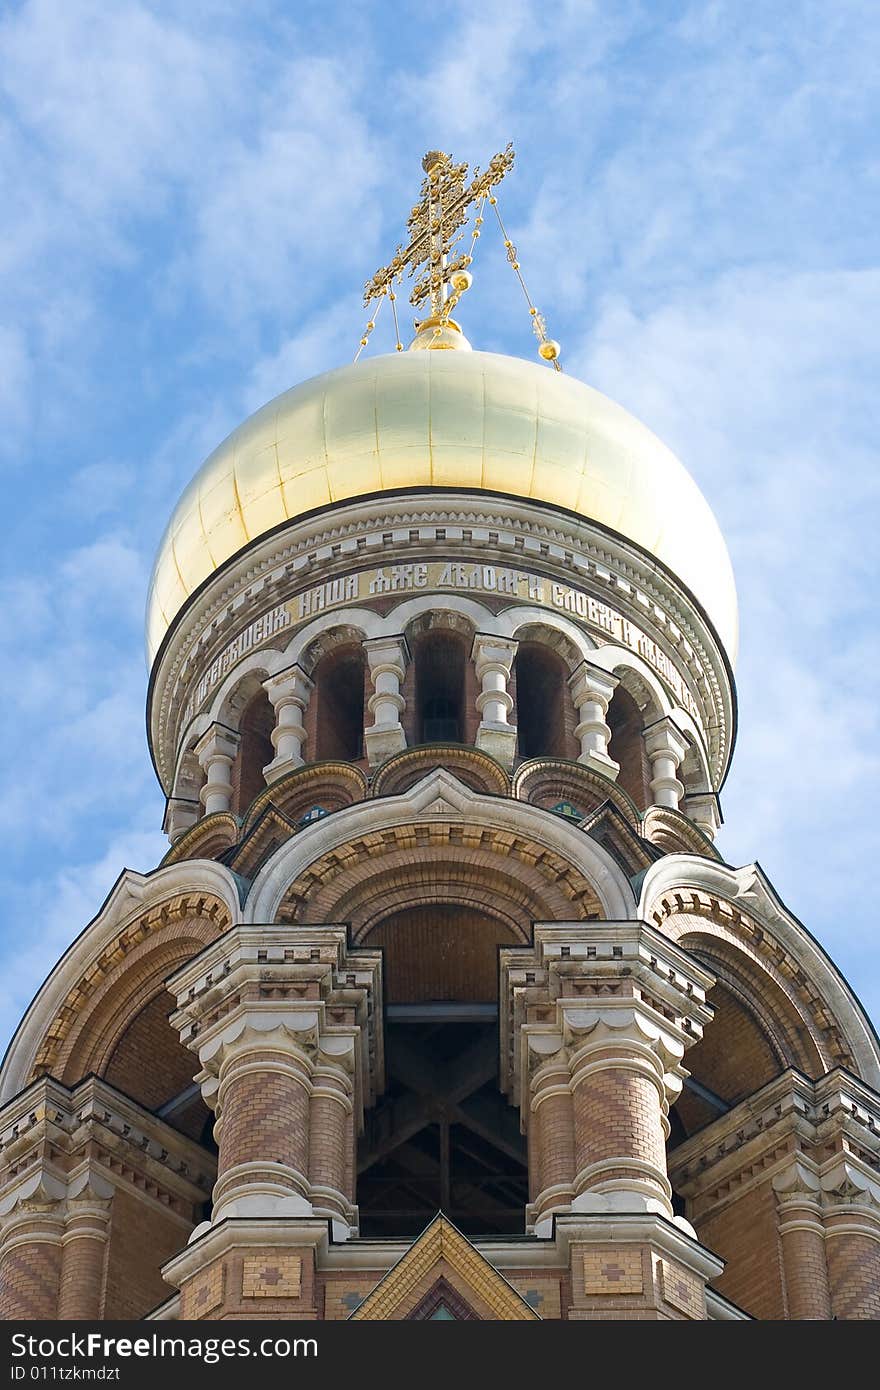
(435, 260)
(435, 230)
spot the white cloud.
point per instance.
(48, 916)
(758, 381)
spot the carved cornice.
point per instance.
(601, 981)
(80, 1144)
(818, 1141)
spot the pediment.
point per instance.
(443, 1276)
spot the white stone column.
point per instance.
(289, 692)
(216, 751)
(666, 747)
(493, 659)
(592, 689)
(387, 658)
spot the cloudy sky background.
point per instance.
(193, 195)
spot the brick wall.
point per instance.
(149, 1063)
(627, 747)
(854, 1276)
(745, 1235)
(141, 1240)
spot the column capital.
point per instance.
(588, 681)
(392, 652)
(665, 737)
(290, 684)
(594, 986)
(181, 813)
(704, 809)
(489, 650)
(217, 742)
(308, 997)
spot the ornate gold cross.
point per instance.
(434, 227)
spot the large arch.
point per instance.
(438, 800)
(147, 922)
(734, 918)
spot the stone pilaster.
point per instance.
(216, 751)
(847, 1117)
(591, 690)
(289, 692)
(285, 1029)
(493, 658)
(596, 1021)
(666, 747)
(387, 658)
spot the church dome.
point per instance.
(443, 420)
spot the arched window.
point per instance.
(627, 747)
(255, 751)
(542, 702)
(440, 659)
(339, 704)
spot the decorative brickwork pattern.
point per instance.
(278, 1277)
(682, 1290)
(544, 1295)
(609, 1270)
(203, 1294)
(344, 1297)
(440, 1251)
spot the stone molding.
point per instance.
(137, 906)
(440, 797)
(262, 984)
(816, 1142)
(560, 992)
(70, 1149)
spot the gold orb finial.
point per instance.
(549, 349)
(439, 333)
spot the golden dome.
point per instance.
(446, 420)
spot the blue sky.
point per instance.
(193, 196)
